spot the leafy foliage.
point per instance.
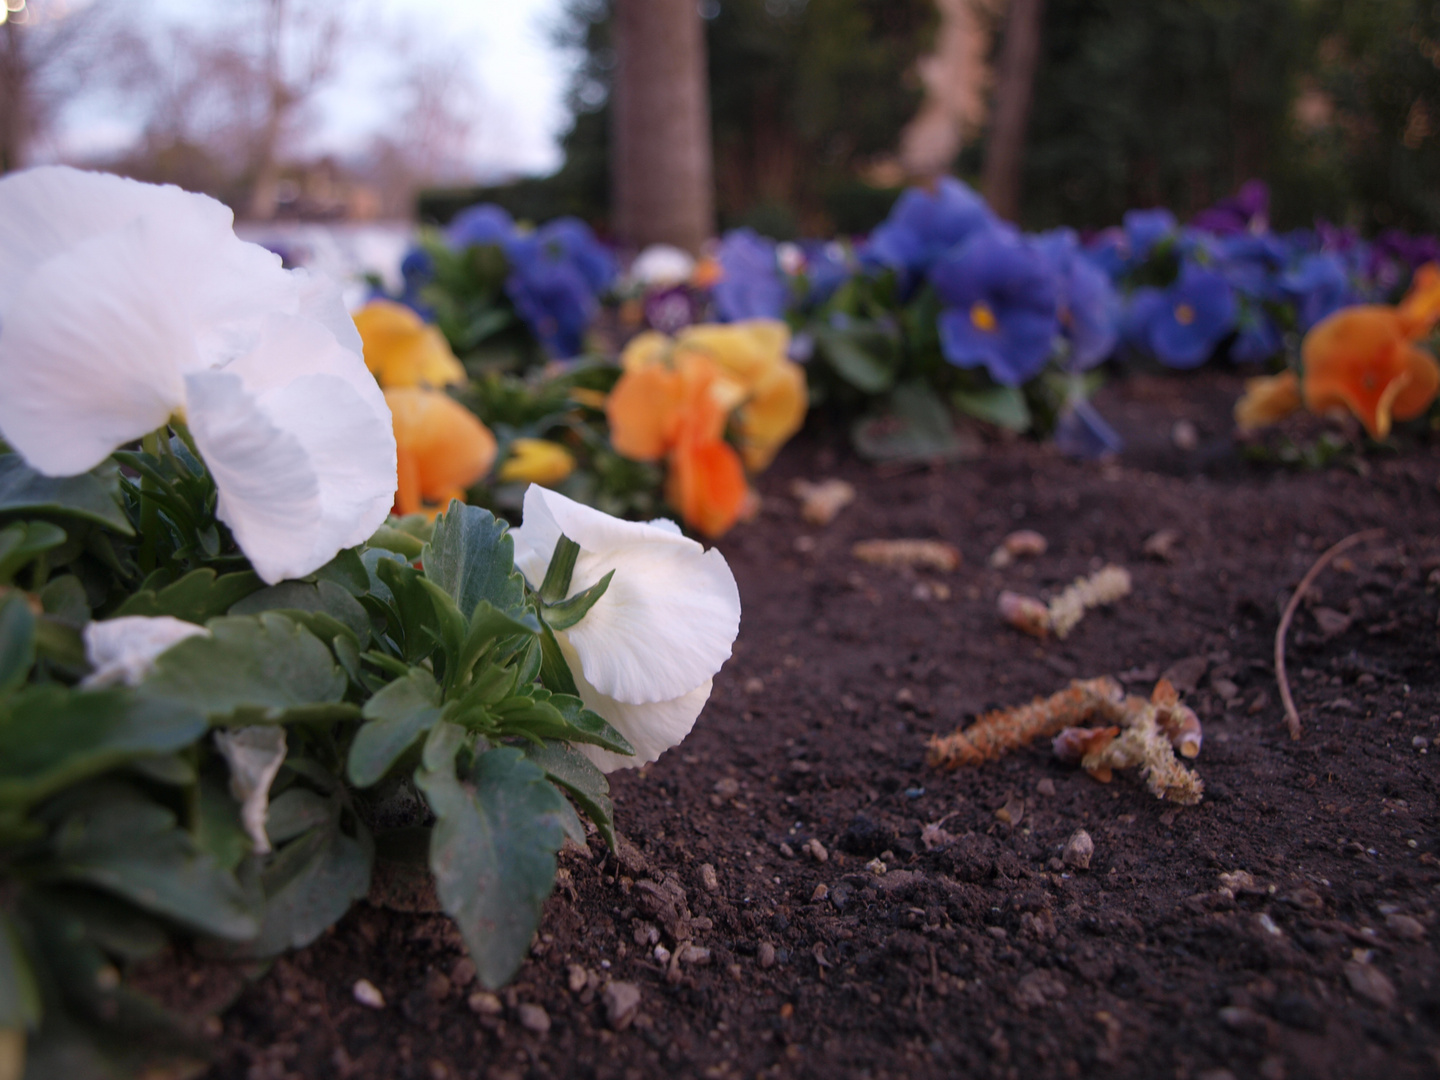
(423, 685)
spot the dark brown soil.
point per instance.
(986, 957)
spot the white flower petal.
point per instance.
(254, 755)
(46, 211)
(322, 299)
(91, 353)
(652, 729)
(670, 616)
(123, 651)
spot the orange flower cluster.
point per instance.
(677, 397)
(1364, 359)
(441, 447)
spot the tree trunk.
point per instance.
(14, 100)
(661, 163)
(1015, 83)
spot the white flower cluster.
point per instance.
(125, 304)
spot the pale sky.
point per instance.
(520, 78)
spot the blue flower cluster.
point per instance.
(557, 273)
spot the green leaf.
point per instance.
(567, 613)
(915, 426)
(25, 541)
(488, 625)
(197, 597)
(52, 737)
(347, 570)
(560, 570)
(117, 927)
(19, 995)
(586, 726)
(1003, 406)
(493, 854)
(416, 634)
(17, 640)
(115, 839)
(64, 598)
(392, 539)
(554, 670)
(395, 718)
(295, 811)
(449, 623)
(251, 669)
(859, 356)
(472, 557)
(324, 597)
(309, 885)
(94, 496)
(578, 775)
(217, 827)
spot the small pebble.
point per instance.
(708, 878)
(817, 850)
(577, 978)
(622, 1002)
(1404, 926)
(1184, 435)
(765, 955)
(876, 867)
(821, 892)
(662, 954)
(1419, 742)
(437, 986)
(485, 1003)
(367, 994)
(754, 685)
(696, 955)
(1045, 787)
(534, 1018)
(1371, 983)
(786, 850)
(463, 973)
(1078, 850)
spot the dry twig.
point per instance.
(1292, 716)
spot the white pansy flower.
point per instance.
(123, 651)
(661, 265)
(124, 304)
(644, 655)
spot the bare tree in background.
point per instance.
(1015, 83)
(50, 52)
(664, 190)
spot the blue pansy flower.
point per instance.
(750, 286)
(552, 295)
(1252, 263)
(826, 269)
(999, 295)
(1087, 305)
(1257, 338)
(571, 240)
(1181, 325)
(924, 225)
(482, 224)
(1144, 229)
(1318, 286)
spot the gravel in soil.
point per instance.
(799, 895)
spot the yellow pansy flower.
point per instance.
(401, 349)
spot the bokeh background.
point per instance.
(818, 111)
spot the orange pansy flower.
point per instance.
(1364, 358)
(441, 449)
(1268, 399)
(401, 349)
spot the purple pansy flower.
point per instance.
(482, 224)
(1248, 211)
(999, 295)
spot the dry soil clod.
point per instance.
(1079, 849)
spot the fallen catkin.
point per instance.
(1060, 616)
(1003, 730)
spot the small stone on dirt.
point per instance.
(765, 955)
(1404, 926)
(577, 978)
(816, 850)
(1161, 545)
(533, 1018)
(1370, 983)
(463, 973)
(875, 866)
(622, 1002)
(368, 994)
(821, 892)
(754, 685)
(1045, 787)
(485, 1003)
(708, 878)
(1079, 849)
(437, 986)
(727, 787)
(694, 955)
(1013, 810)
(1184, 435)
